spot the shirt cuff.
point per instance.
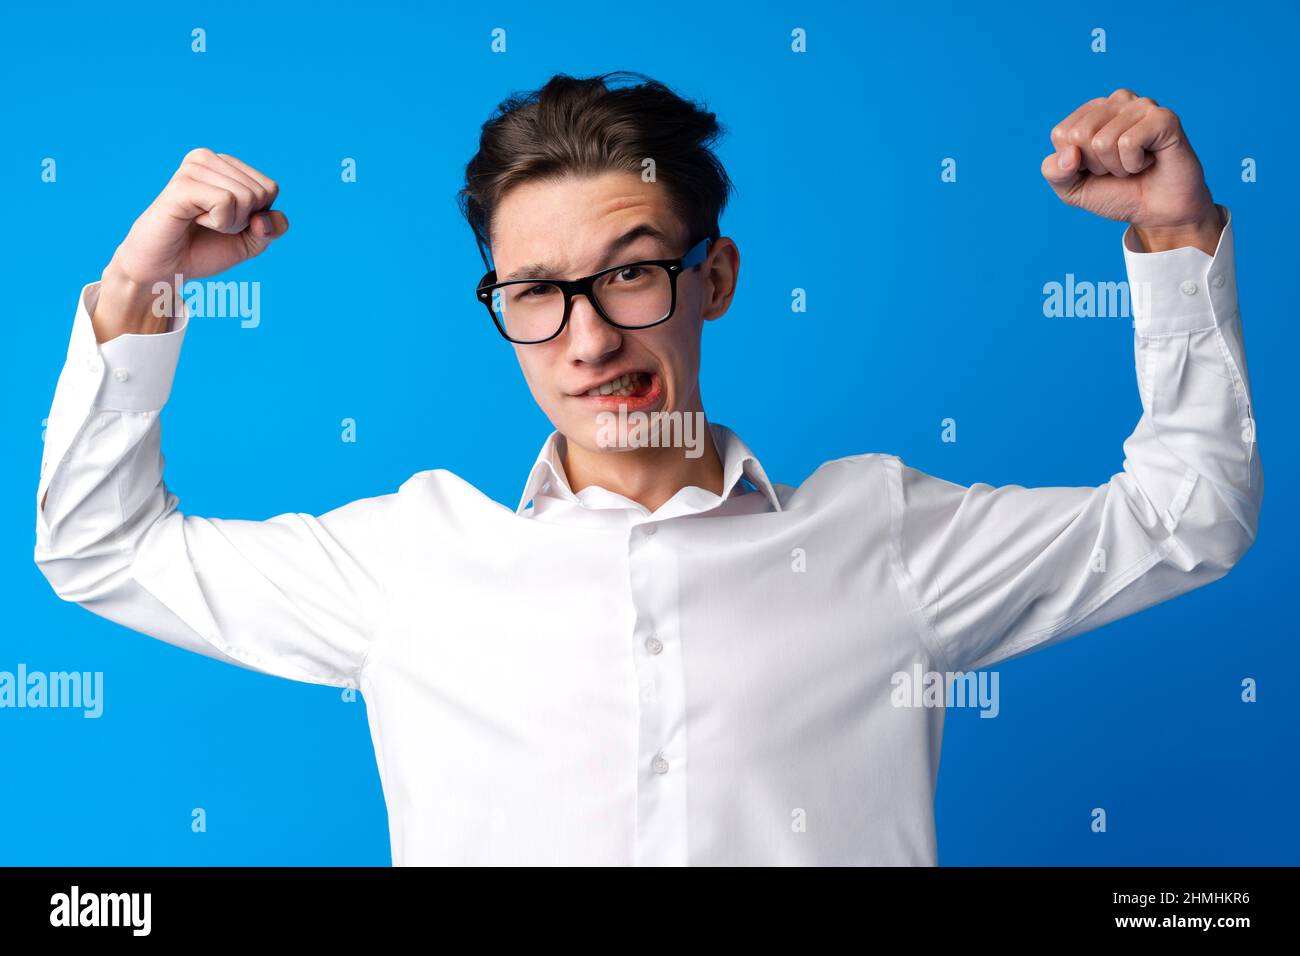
(1181, 290)
(134, 372)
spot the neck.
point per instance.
(648, 476)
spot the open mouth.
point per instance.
(628, 385)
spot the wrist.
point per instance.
(1202, 233)
(125, 306)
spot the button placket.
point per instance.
(661, 739)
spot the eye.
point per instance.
(533, 291)
(629, 273)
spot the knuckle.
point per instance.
(1123, 94)
(1100, 143)
(198, 154)
(1125, 142)
(1077, 136)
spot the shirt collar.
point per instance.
(547, 476)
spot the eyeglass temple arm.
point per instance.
(697, 254)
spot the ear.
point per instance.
(721, 272)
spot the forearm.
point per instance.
(1198, 424)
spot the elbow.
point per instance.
(1235, 550)
(86, 557)
(65, 575)
(1245, 510)
(80, 577)
(1223, 526)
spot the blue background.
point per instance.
(925, 301)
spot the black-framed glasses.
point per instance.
(634, 295)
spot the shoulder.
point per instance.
(880, 476)
(437, 490)
(849, 480)
(855, 468)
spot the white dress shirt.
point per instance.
(581, 681)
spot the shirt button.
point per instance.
(1218, 281)
(649, 529)
(121, 374)
(660, 765)
(653, 645)
(1188, 287)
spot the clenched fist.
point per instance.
(1126, 157)
(213, 214)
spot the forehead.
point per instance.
(566, 225)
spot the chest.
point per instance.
(544, 625)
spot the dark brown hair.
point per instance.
(583, 126)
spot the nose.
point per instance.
(591, 338)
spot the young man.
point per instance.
(665, 658)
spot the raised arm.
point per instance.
(998, 572)
(296, 595)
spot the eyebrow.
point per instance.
(544, 270)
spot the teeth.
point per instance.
(621, 386)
